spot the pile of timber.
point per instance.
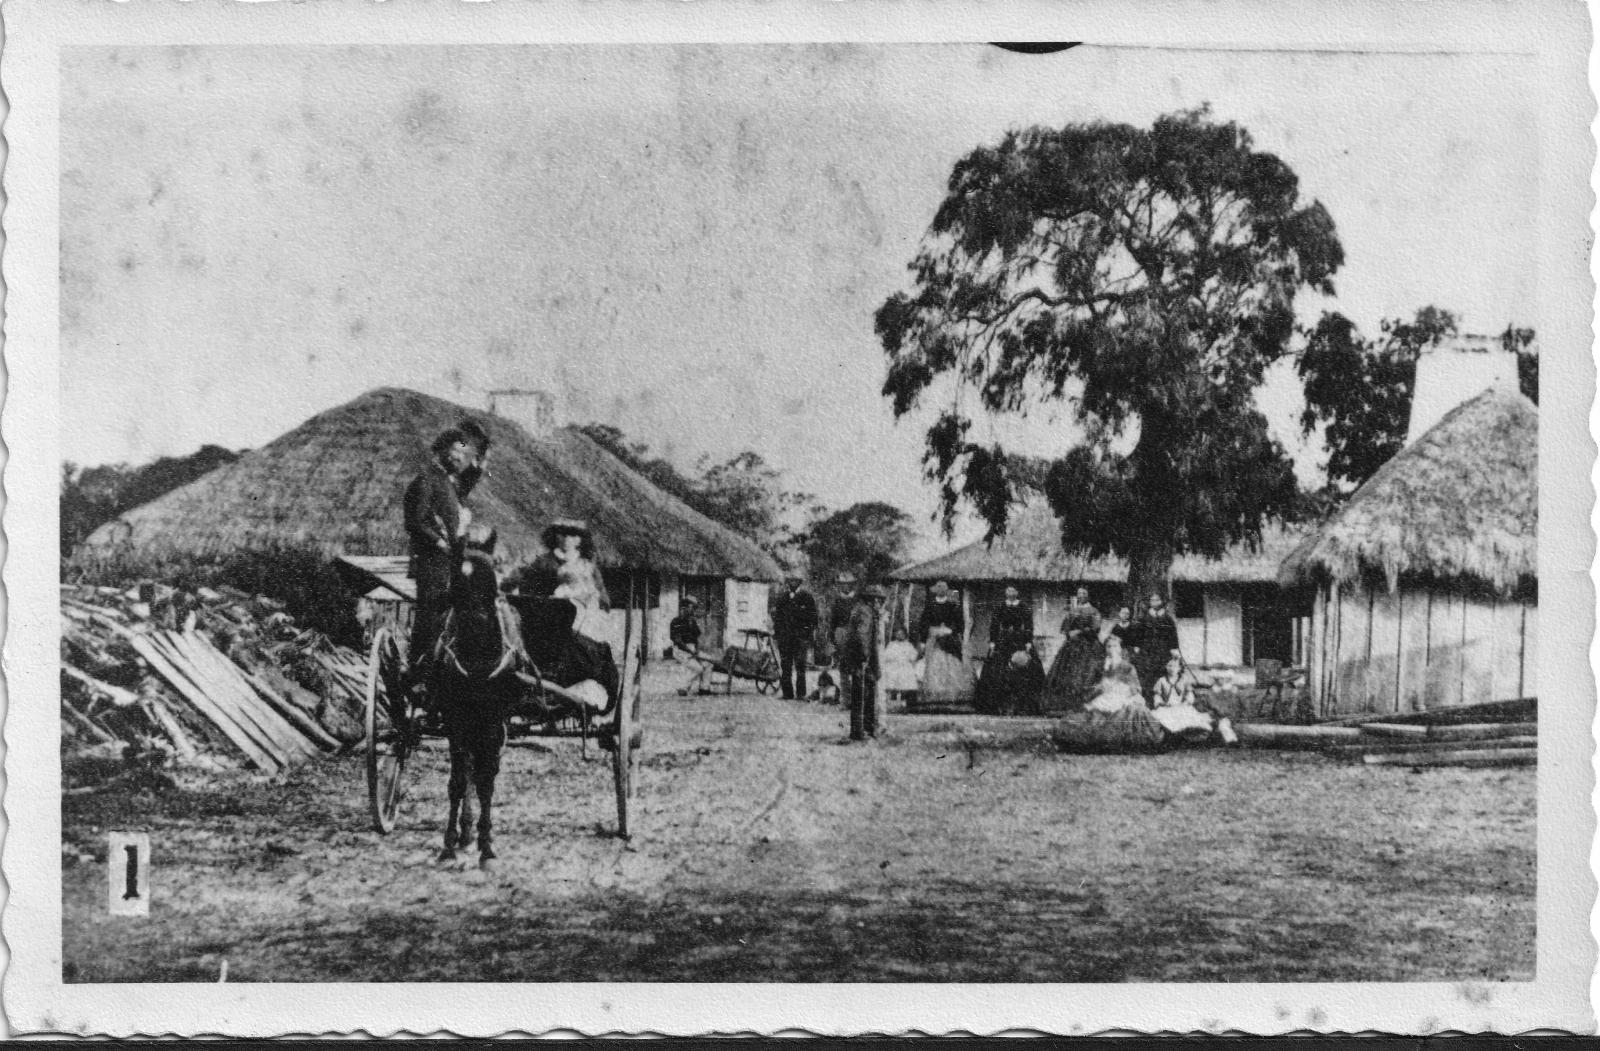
(1443, 737)
(215, 679)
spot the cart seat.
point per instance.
(558, 653)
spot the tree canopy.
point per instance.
(868, 539)
(1362, 389)
(1143, 277)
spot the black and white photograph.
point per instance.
(935, 516)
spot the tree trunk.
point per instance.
(1150, 570)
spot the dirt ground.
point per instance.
(959, 848)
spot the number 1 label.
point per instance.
(128, 860)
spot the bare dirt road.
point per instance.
(958, 849)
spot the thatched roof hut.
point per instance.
(1459, 504)
(333, 485)
(1427, 579)
(1031, 552)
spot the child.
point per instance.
(1179, 714)
(899, 663)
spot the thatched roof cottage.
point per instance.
(1427, 579)
(1230, 610)
(333, 485)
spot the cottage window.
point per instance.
(1188, 601)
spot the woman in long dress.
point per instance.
(1078, 664)
(1012, 677)
(1118, 716)
(946, 678)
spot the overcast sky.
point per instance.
(688, 243)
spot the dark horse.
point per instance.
(476, 683)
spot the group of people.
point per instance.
(852, 627)
(452, 559)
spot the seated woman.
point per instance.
(1180, 714)
(559, 596)
(1117, 717)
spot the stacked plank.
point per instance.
(1421, 739)
(214, 678)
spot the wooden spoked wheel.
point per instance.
(387, 744)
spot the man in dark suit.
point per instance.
(858, 659)
(432, 507)
(794, 618)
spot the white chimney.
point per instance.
(1453, 373)
(533, 410)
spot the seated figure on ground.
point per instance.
(1180, 714)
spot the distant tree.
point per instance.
(1521, 342)
(747, 495)
(1362, 389)
(743, 493)
(1145, 278)
(636, 455)
(92, 496)
(868, 539)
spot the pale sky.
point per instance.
(688, 243)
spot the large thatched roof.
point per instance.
(1031, 552)
(334, 484)
(1460, 504)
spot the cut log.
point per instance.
(1268, 735)
(169, 724)
(117, 694)
(232, 689)
(1395, 747)
(242, 739)
(1524, 709)
(293, 715)
(1476, 757)
(1482, 731)
(84, 723)
(1394, 730)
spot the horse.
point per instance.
(475, 682)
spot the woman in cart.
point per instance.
(570, 654)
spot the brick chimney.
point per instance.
(533, 410)
(1455, 372)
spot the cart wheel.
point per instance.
(386, 746)
(766, 686)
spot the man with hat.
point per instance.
(684, 633)
(839, 610)
(858, 660)
(794, 619)
(433, 523)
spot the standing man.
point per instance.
(794, 618)
(858, 660)
(432, 508)
(1155, 640)
(839, 613)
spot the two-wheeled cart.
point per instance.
(397, 725)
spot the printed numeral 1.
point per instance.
(128, 859)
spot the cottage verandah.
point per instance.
(1230, 610)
